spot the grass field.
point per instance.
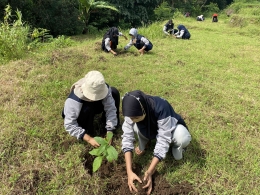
(212, 80)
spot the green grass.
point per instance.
(212, 80)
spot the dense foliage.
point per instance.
(68, 18)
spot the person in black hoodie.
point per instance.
(150, 118)
(168, 28)
(110, 40)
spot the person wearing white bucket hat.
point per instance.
(88, 97)
(151, 117)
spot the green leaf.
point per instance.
(97, 163)
(100, 140)
(112, 154)
(109, 136)
(95, 152)
(102, 148)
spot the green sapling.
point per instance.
(105, 150)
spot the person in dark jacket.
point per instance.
(168, 28)
(88, 97)
(151, 117)
(182, 33)
(110, 40)
(139, 41)
(215, 17)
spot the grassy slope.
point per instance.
(212, 80)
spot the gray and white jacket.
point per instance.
(72, 109)
(163, 122)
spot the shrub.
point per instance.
(163, 11)
(13, 36)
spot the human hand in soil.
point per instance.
(149, 183)
(138, 151)
(90, 140)
(131, 177)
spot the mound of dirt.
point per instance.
(117, 182)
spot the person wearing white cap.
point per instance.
(89, 96)
(151, 117)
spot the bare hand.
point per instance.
(131, 177)
(93, 142)
(138, 151)
(149, 183)
(141, 51)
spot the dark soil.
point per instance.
(114, 177)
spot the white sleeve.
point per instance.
(164, 136)
(110, 109)
(71, 111)
(146, 42)
(107, 44)
(164, 30)
(129, 45)
(181, 34)
(128, 136)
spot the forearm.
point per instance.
(153, 165)
(128, 161)
(113, 52)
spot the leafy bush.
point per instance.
(211, 8)
(178, 14)
(105, 150)
(13, 36)
(163, 11)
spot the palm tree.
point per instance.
(89, 6)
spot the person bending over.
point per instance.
(182, 33)
(168, 28)
(139, 41)
(151, 117)
(88, 97)
(110, 40)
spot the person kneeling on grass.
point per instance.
(151, 117)
(110, 40)
(168, 28)
(139, 41)
(182, 33)
(90, 96)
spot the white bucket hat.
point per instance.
(181, 139)
(94, 87)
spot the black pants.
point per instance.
(88, 123)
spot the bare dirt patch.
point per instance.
(114, 176)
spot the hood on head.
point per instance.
(133, 32)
